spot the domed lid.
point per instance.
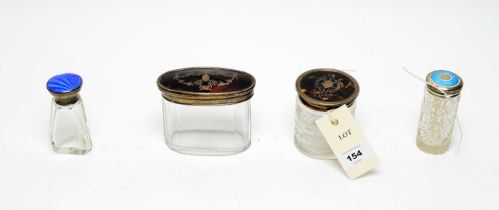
(325, 89)
(65, 87)
(444, 82)
(206, 85)
(64, 83)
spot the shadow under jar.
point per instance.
(207, 110)
(319, 91)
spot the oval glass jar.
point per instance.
(206, 110)
(319, 91)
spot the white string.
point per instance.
(446, 96)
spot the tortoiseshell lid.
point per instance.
(206, 86)
(325, 89)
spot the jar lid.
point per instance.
(206, 86)
(325, 89)
(444, 82)
(65, 87)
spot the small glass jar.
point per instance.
(207, 110)
(438, 111)
(68, 123)
(319, 91)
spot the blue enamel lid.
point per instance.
(444, 82)
(64, 83)
(445, 78)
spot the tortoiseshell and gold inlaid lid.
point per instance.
(325, 89)
(206, 86)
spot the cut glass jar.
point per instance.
(438, 111)
(319, 91)
(207, 110)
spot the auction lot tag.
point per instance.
(347, 142)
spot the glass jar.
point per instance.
(68, 123)
(438, 111)
(319, 91)
(207, 110)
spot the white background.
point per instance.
(120, 48)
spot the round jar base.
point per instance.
(432, 149)
(314, 155)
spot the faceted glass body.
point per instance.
(68, 129)
(436, 123)
(308, 138)
(207, 129)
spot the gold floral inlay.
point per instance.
(205, 81)
(326, 86)
(205, 77)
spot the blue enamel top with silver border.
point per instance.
(445, 78)
(64, 83)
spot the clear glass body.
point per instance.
(308, 138)
(436, 123)
(68, 129)
(207, 129)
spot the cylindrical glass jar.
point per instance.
(438, 111)
(207, 110)
(319, 91)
